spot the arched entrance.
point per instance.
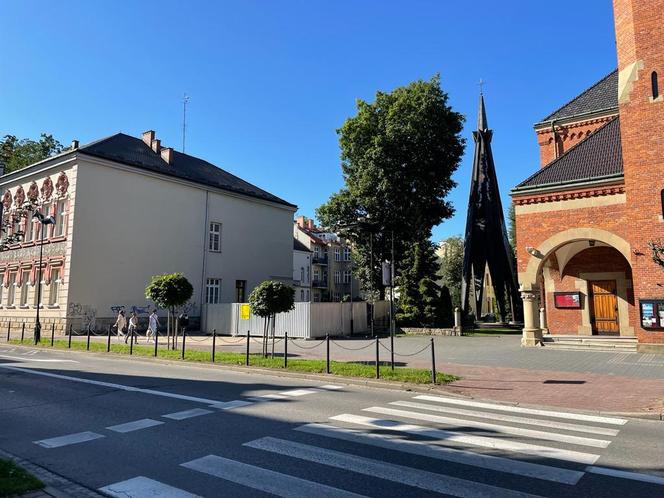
(578, 282)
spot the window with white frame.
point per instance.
(11, 294)
(347, 276)
(27, 237)
(316, 274)
(337, 254)
(214, 243)
(346, 253)
(337, 277)
(25, 287)
(54, 290)
(213, 290)
(43, 229)
(60, 216)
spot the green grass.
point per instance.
(16, 481)
(348, 369)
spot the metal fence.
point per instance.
(306, 321)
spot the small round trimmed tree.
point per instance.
(268, 299)
(169, 291)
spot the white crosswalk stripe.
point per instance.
(263, 479)
(79, 437)
(142, 487)
(503, 429)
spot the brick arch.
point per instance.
(536, 262)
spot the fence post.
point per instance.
(156, 342)
(52, 333)
(9, 329)
(184, 339)
(214, 343)
(108, 341)
(246, 362)
(131, 342)
(285, 349)
(327, 353)
(392, 350)
(22, 332)
(377, 358)
(433, 363)
(88, 345)
(71, 326)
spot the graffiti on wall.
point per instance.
(86, 313)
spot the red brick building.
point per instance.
(584, 220)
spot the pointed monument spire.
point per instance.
(482, 123)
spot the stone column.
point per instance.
(532, 333)
(457, 321)
(542, 320)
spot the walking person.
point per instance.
(133, 327)
(121, 325)
(153, 325)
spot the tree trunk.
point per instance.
(274, 319)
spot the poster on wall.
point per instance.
(567, 300)
(652, 313)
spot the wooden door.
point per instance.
(604, 307)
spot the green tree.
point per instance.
(418, 291)
(511, 227)
(268, 299)
(16, 154)
(398, 154)
(452, 267)
(446, 308)
(169, 291)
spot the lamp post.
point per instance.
(43, 220)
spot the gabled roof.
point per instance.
(299, 246)
(134, 152)
(599, 156)
(602, 96)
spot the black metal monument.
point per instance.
(486, 243)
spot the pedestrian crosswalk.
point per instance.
(427, 444)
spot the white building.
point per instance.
(127, 209)
(301, 272)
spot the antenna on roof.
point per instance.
(185, 101)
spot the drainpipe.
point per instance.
(555, 145)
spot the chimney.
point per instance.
(167, 154)
(148, 137)
(300, 221)
(310, 224)
(156, 145)
(74, 144)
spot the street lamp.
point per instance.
(43, 220)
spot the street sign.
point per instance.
(386, 273)
(245, 311)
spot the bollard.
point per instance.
(184, 338)
(71, 325)
(22, 332)
(131, 343)
(214, 343)
(246, 362)
(87, 347)
(9, 329)
(377, 358)
(52, 333)
(108, 341)
(285, 349)
(433, 363)
(156, 342)
(392, 350)
(327, 353)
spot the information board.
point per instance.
(245, 311)
(567, 300)
(652, 313)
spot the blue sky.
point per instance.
(271, 81)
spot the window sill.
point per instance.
(58, 238)
(53, 306)
(11, 307)
(24, 307)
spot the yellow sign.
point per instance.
(245, 311)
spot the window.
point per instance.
(54, 290)
(240, 290)
(316, 251)
(28, 229)
(301, 295)
(346, 253)
(337, 254)
(337, 277)
(347, 277)
(654, 84)
(25, 287)
(215, 237)
(307, 268)
(11, 295)
(2, 286)
(212, 290)
(302, 274)
(43, 234)
(316, 274)
(308, 296)
(60, 216)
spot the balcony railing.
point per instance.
(319, 260)
(321, 284)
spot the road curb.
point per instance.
(362, 382)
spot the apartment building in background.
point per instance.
(301, 272)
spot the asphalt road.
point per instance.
(136, 428)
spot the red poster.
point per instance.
(567, 299)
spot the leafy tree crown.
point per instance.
(271, 297)
(169, 291)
